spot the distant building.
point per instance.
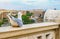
(37, 12)
(3, 13)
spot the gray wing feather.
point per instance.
(19, 22)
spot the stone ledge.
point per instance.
(26, 29)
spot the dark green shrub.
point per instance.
(26, 18)
(5, 20)
(1, 22)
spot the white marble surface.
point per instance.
(28, 26)
(52, 15)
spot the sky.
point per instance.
(29, 4)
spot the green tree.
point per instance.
(26, 18)
(1, 22)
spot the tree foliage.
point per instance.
(26, 18)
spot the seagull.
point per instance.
(15, 21)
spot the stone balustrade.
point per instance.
(46, 30)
